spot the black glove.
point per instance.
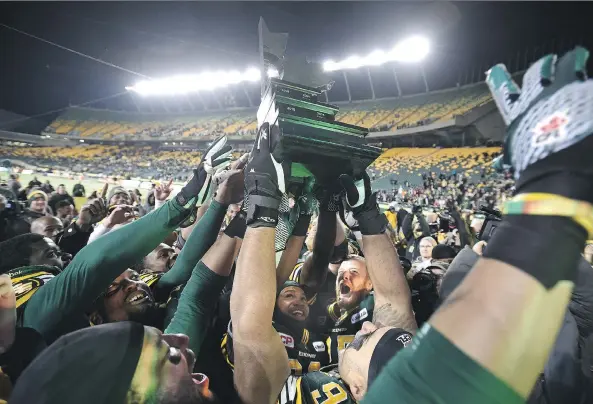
(264, 180)
(330, 198)
(363, 204)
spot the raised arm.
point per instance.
(100, 262)
(392, 295)
(314, 269)
(423, 224)
(499, 325)
(200, 295)
(464, 236)
(407, 226)
(261, 362)
(306, 205)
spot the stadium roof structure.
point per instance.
(458, 116)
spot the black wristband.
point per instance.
(259, 216)
(236, 227)
(546, 247)
(301, 226)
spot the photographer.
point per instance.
(416, 233)
(425, 286)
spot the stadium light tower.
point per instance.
(410, 50)
(191, 83)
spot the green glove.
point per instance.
(549, 122)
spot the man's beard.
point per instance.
(355, 298)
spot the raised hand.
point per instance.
(120, 214)
(7, 295)
(545, 120)
(199, 187)
(162, 191)
(363, 203)
(93, 212)
(230, 186)
(264, 180)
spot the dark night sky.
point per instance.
(160, 38)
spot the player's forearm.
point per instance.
(254, 295)
(289, 258)
(314, 273)
(187, 231)
(389, 282)
(201, 239)
(196, 304)
(219, 258)
(514, 313)
(340, 233)
(96, 266)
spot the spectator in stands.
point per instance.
(34, 183)
(391, 215)
(47, 226)
(78, 190)
(61, 195)
(38, 203)
(118, 196)
(47, 187)
(14, 184)
(64, 211)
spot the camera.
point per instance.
(425, 295)
(12, 208)
(492, 219)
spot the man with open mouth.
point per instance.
(306, 350)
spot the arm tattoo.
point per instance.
(388, 316)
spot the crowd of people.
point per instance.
(242, 289)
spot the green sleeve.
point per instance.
(433, 370)
(201, 239)
(196, 305)
(95, 267)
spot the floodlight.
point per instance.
(273, 72)
(189, 83)
(410, 50)
(413, 49)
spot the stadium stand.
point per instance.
(408, 164)
(379, 115)
(141, 162)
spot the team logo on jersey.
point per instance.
(287, 340)
(404, 339)
(319, 346)
(321, 320)
(361, 315)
